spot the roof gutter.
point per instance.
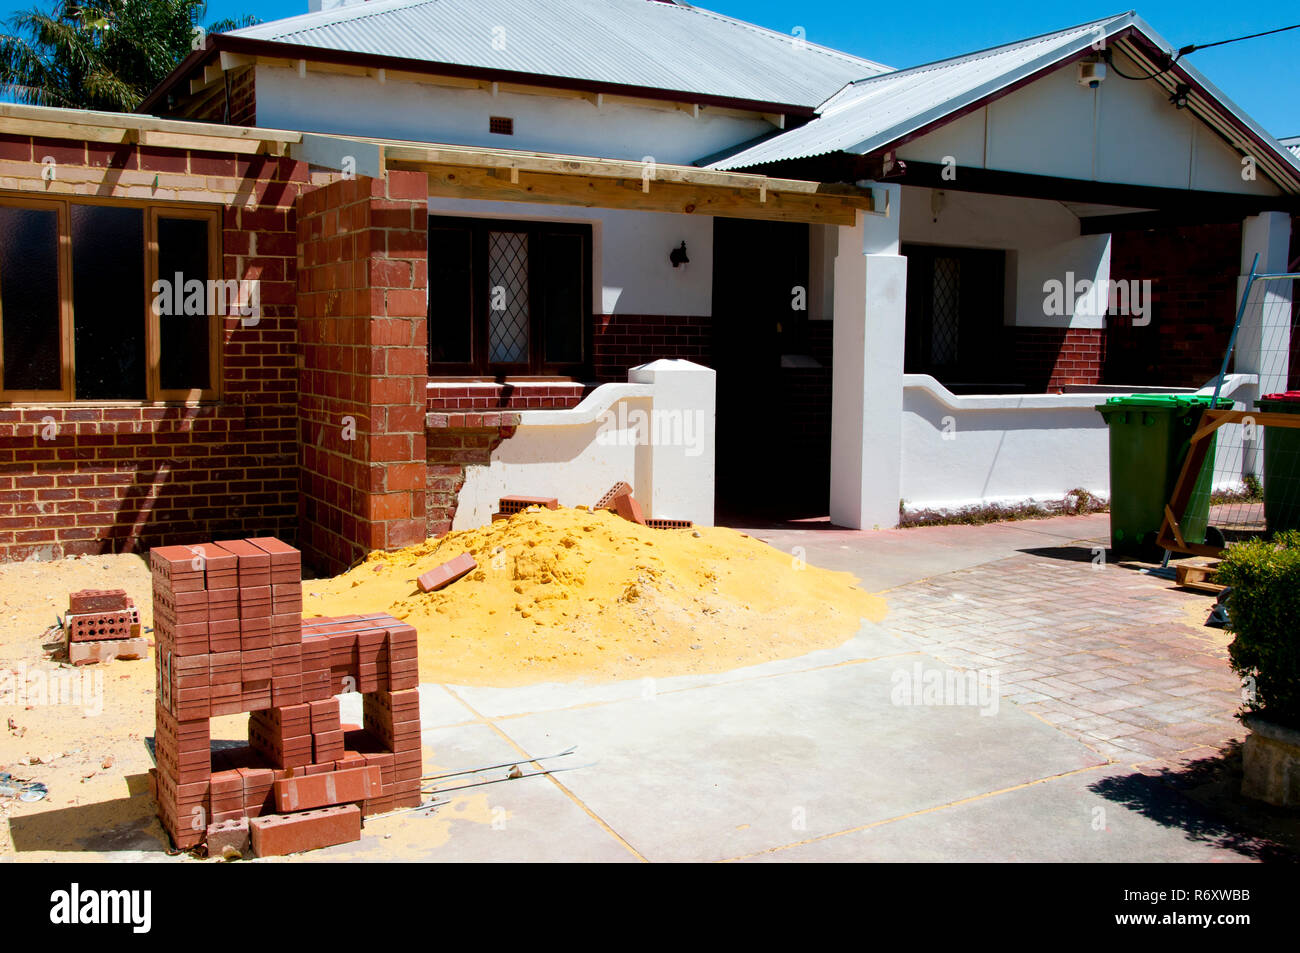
(249, 46)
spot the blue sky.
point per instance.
(1262, 76)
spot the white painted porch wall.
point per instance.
(1013, 448)
(576, 455)
(1041, 237)
(403, 109)
(631, 273)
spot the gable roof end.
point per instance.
(878, 112)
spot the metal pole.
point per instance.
(1232, 341)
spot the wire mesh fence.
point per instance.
(1248, 481)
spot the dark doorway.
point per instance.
(773, 436)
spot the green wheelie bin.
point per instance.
(1281, 464)
(1149, 439)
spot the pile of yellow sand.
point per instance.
(568, 594)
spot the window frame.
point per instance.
(537, 367)
(153, 332)
(66, 350)
(154, 393)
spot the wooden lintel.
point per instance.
(553, 189)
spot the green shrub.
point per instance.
(1264, 614)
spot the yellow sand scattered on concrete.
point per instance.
(569, 594)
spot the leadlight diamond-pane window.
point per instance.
(507, 297)
(947, 310)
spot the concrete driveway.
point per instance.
(1025, 699)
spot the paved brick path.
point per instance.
(1116, 658)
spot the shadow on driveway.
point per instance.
(1203, 799)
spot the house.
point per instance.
(453, 249)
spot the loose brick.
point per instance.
(606, 502)
(98, 600)
(88, 653)
(100, 626)
(513, 504)
(322, 790)
(447, 573)
(279, 834)
(628, 508)
(227, 836)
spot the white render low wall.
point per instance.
(965, 450)
(655, 432)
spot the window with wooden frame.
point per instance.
(509, 299)
(108, 301)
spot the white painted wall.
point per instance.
(631, 273)
(1042, 238)
(965, 450)
(1123, 131)
(655, 432)
(403, 109)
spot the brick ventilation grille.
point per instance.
(501, 125)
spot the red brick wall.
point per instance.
(622, 341)
(456, 441)
(124, 478)
(362, 321)
(467, 395)
(1046, 359)
(1193, 270)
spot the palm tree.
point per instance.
(101, 54)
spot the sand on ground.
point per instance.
(559, 595)
(571, 594)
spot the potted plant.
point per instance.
(1264, 616)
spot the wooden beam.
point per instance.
(431, 158)
(86, 124)
(200, 143)
(682, 199)
(61, 130)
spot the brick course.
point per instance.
(622, 341)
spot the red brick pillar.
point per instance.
(362, 282)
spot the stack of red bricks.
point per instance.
(103, 624)
(231, 639)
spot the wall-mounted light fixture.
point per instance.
(678, 255)
(1179, 96)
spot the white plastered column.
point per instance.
(1263, 342)
(675, 468)
(867, 373)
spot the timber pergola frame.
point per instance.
(50, 122)
(1171, 533)
(519, 176)
(474, 173)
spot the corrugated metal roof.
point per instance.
(1293, 144)
(873, 112)
(627, 42)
